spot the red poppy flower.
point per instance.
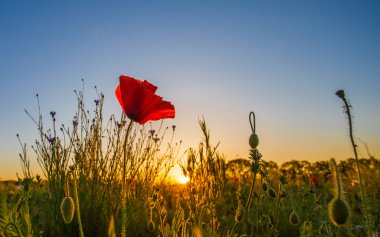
(314, 180)
(139, 101)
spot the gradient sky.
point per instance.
(217, 59)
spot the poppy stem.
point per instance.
(124, 183)
(252, 119)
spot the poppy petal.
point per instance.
(155, 108)
(139, 101)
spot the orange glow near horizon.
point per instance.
(182, 179)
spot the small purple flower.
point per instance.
(121, 124)
(96, 102)
(51, 140)
(173, 126)
(52, 113)
(152, 131)
(155, 139)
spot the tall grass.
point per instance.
(90, 166)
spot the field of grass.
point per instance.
(107, 177)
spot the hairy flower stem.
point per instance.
(341, 95)
(124, 183)
(337, 177)
(277, 205)
(250, 197)
(81, 234)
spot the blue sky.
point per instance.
(216, 59)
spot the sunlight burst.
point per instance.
(183, 179)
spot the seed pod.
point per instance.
(253, 140)
(293, 218)
(67, 209)
(264, 186)
(272, 193)
(339, 211)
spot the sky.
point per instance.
(217, 60)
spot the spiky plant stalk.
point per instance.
(341, 94)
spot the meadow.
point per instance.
(108, 177)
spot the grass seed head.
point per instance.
(67, 209)
(339, 211)
(238, 214)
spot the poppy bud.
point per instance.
(264, 186)
(253, 140)
(151, 226)
(338, 211)
(293, 218)
(67, 209)
(272, 193)
(340, 94)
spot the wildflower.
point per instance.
(121, 124)
(314, 180)
(51, 140)
(96, 102)
(156, 139)
(139, 101)
(173, 126)
(52, 113)
(152, 131)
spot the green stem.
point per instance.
(77, 207)
(348, 111)
(250, 197)
(278, 204)
(124, 183)
(337, 177)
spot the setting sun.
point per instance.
(183, 179)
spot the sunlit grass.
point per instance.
(221, 197)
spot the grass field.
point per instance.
(107, 177)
